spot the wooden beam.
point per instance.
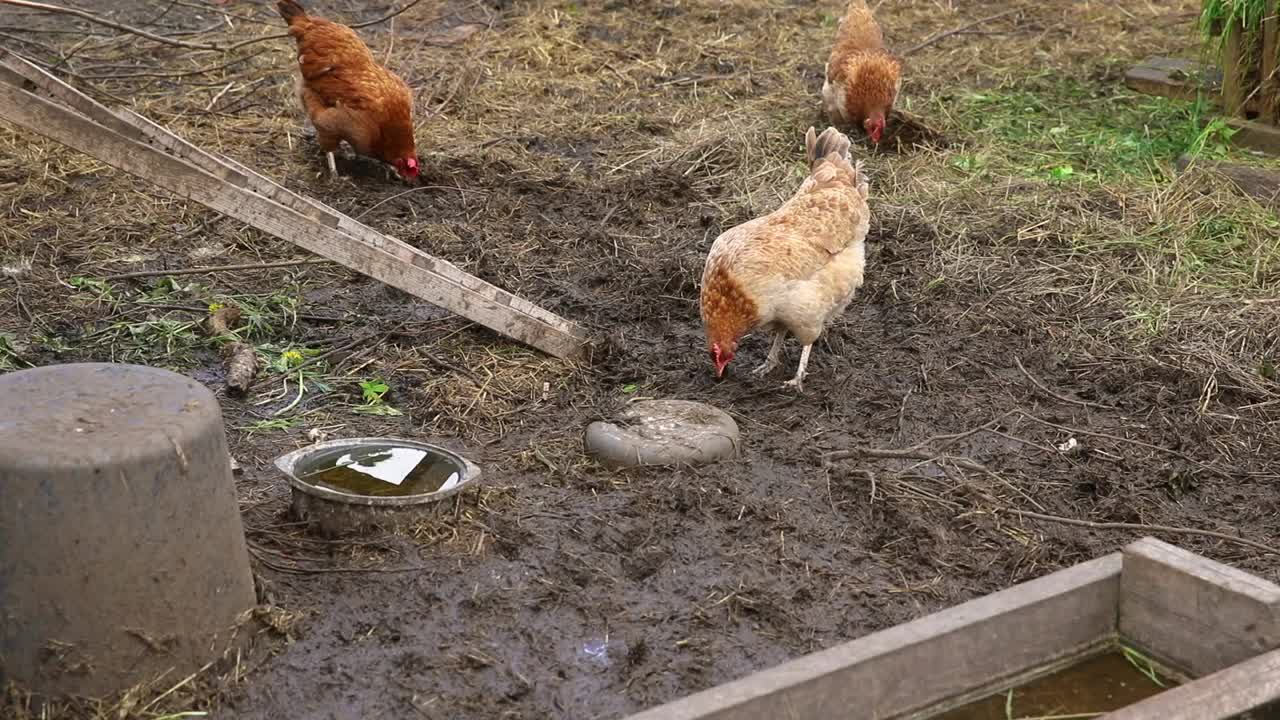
(400, 266)
(957, 655)
(1224, 695)
(478, 300)
(1270, 105)
(1234, 70)
(1192, 613)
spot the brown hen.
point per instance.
(794, 269)
(862, 77)
(347, 95)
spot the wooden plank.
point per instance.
(62, 125)
(1234, 70)
(1255, 136)
(139, 128)
(1270, 105)
(911, 667)
(1193, 613)
(1221, 696)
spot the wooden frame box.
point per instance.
(1216, 626)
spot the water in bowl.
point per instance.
(383, 471)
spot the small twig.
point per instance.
(402, 193)
(185, 73)
(695, 79)
(315, 571)
(1055, 395)
(1140, 443)
(386, 17)
(215, 268)
(948, 33)
(907, 454)
(277, 36)
(107, 23)
(1141, 527)
(935, 457)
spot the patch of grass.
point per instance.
(274, 425)
(1065, 130)
(373, 392)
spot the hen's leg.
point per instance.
(775, 351)
(333, 166)
(797, 381)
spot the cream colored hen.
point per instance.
(794, 269)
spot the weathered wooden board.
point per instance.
(477, 300)
(1193, 613)
(402, 267)
(1221, 696)
(1234, 70)
(911, 667)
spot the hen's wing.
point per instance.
(827, 215)
(338, 69)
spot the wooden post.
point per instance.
(1271, 66)
(1233, 71)
(121, 139)
(1193, 613)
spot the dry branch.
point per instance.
(216, 269)
(1144, 528)
(44, 7)
(1053, 394)
(948, 33)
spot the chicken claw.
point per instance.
(797, 382)
(770, 362)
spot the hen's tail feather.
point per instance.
(290, 10)
(831, 141)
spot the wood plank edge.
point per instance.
(1218, 696)
(795, 674)
(1203, 569)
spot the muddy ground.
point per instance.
(585, 155)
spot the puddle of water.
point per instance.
(383, 471)
(1097, 685)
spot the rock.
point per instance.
(664, 432)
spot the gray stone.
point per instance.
(664, 432)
